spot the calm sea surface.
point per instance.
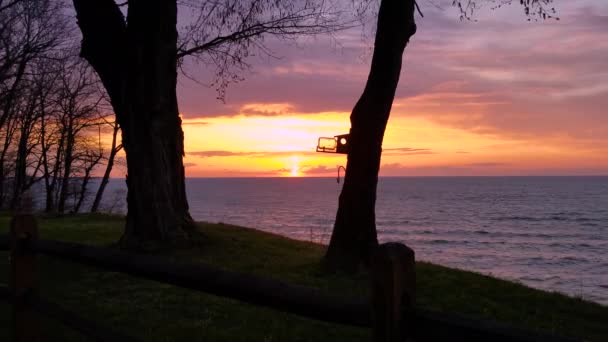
(546, 232)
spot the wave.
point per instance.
(554, 238)
(548, 218)
(517, 218)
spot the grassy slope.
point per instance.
(158, 312)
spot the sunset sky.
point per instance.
(500, 96)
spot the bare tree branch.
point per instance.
(533, 9)
(225, 33)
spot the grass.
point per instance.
(159, 312)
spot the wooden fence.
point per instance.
(390, 312)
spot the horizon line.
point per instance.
(405, 176)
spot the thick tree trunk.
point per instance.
(157, 204)
(152, 135)
(138, 66)
(354, 235)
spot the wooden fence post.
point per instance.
(393, 286)
(23, 278)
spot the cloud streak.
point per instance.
(257, 154)
(260, 154)
(406, 151)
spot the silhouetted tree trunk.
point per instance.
(354, 235)
(68, 159)
(46, 169)
(152, 135)
(106, 175)
(52, 178)
(92, 159)
(137, 64)
(20, 174)
(20, 165)
(8, 131)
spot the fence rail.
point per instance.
(390, 312)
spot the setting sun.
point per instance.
(295, 166)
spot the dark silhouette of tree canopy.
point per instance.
(137, 59)
(354, 236)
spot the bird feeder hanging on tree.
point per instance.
(337, 144)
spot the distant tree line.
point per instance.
(53, 112)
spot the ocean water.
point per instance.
(546, 232)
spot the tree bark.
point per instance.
(152, 135)
(137, 64)
(354, 235)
